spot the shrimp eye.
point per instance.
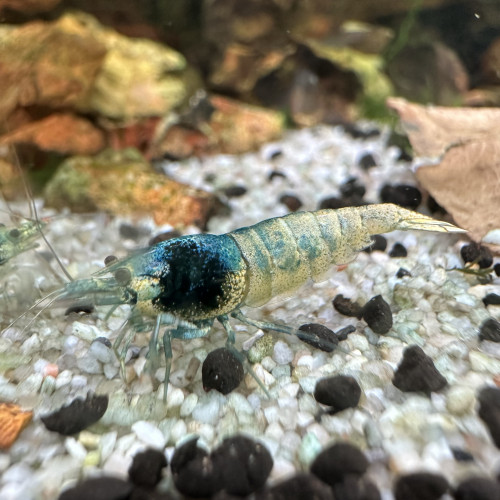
(14, 233)
(123, 276)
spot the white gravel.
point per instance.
(436, 308)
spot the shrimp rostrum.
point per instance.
(185, 283)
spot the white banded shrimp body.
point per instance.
(185, 283)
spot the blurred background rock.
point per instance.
(194, 77)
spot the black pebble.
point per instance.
(332, 203)
(489, 411)
(420, 486)
(276, 174)
(358, 133)
(146, 494)
(318, 336)
(99, 488)
(398, 250)
(130, 232)
(496, 268)
(244, 465)
(367, 161)
(356, 488)
(302, 486)
(339, 392)
(234, 191)
(478, 488)
(417, 372)
(434, 207)
(379, 244)
(343, 333)
(352, 189)
(166, 235)
(338, 461)
(377, 314)
(146, 468)
(77, 416)
(193, 471)
(221, 371)
(402, 195)
(291, 202)
(461, 455)
(490, 330)
(83, 308)
(347, 307)
(492, 299)
(473, 252)
(402, 272)
(104, 341)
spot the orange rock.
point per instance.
(12, 421)
(62, 133)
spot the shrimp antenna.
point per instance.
(34, 212)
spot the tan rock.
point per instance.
(123, 183)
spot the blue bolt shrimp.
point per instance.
(184, 284)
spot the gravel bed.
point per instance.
(437, 311)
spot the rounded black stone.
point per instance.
(301, 486)
(193, 471)
(398, 250)
(490, 330)
(477, 488)
(343, 333)
(367, 161)
(347, 307)
(354, 487)
(77, 416)
(402, 272)
(166, 235)
(417, 373)
(99, 488)
(461, 455)
(276, 174)
(130, 232)
(496, 268)
(332, 202)
(489, 411)
(491, 299)
(377, 314)
(473, 252)
(402, 195)
(336, 462)
(420, 486)
(291, 202)
(81, 308)
(146, 468)
(235, 191)
(352, 189)
(434, 207)
(244, 465)
(221, 371)
(357, 132)
(379, 244)
(318, 336)
(339, 392)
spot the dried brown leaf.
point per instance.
(466, 182)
